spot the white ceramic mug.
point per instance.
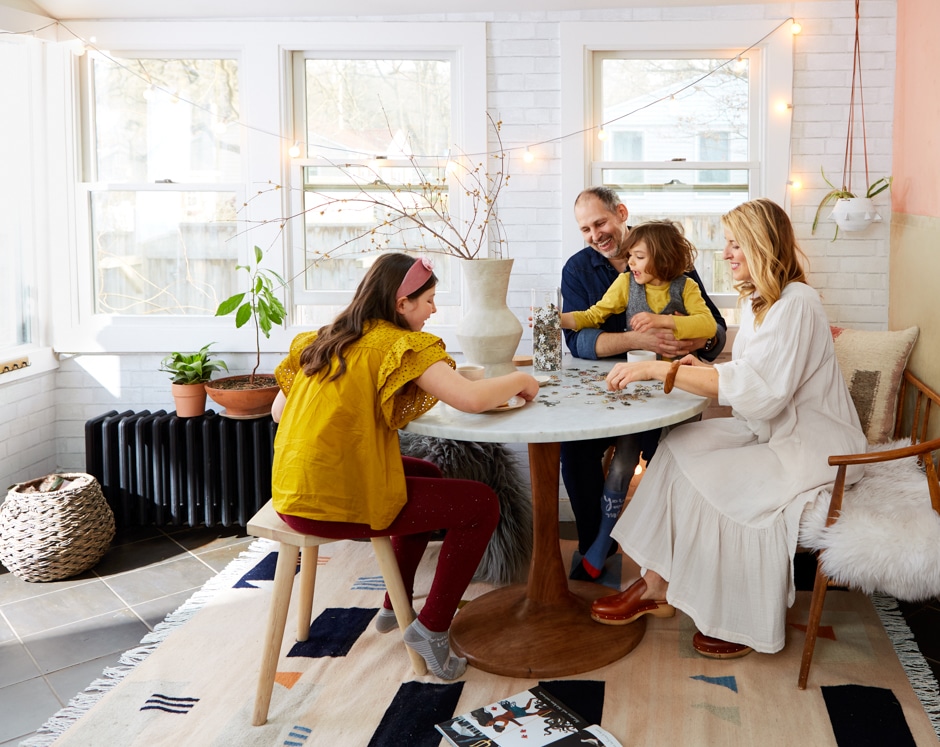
(634, 356)
(470, 371)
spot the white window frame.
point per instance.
(770, 135)
(263, 51)
(29, 217)
(458, 135)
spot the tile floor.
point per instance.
(56, 637)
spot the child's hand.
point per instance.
(531, 389)
(645, 321)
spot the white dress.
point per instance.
(717, 513)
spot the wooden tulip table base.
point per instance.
(504, 632)
(542, 628)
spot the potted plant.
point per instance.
(851, 212)
(251, 395)
(191, 372)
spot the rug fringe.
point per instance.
(912, 660)
(111, 677)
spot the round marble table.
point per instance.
(543, 628)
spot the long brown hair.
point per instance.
(375, 298)
(670, 253)
(763, 231)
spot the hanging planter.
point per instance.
(854, 213)
(851, 211)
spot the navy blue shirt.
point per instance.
(585, 279)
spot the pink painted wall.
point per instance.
(916, 146)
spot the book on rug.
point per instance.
(533, 718)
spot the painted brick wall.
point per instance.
(523, 81)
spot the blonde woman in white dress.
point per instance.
(714, 522)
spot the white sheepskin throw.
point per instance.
(887, 538)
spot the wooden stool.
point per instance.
(266, 523)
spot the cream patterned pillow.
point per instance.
(872, 364)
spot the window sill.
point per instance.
(41, 360)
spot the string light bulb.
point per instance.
(528, 156)
(783, 106)
(602, 134)
(795, 28)
(294, 150)
(795, 185)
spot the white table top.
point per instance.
(574, 406)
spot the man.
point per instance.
(586, 276)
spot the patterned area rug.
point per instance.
(192, 681)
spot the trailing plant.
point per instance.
(192, 368)
(841, 193)
(259, 304)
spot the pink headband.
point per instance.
(416, 276)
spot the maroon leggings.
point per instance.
(467, 509)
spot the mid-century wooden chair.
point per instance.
(266, 523)
(920, 398)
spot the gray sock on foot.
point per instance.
(386, 622)
(435, 649)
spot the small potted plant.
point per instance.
(851, 212)
(191, 372)
(251, 395)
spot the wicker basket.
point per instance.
(51, 534)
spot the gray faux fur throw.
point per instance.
(507, 556)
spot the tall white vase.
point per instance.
(488, 332)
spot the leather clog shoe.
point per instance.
(627, 606)
(715, 648)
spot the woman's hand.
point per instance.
(626, 373)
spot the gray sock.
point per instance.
(435, 648)
(386, 622)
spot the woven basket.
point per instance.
(51, 535)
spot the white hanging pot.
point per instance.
(854, 213)
(488, 332)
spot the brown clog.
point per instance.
(627, 606)
(715, 648)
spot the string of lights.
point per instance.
(299, 147)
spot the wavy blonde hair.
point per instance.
(764, 232)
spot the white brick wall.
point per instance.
(523, 81)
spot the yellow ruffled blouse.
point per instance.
(336, 453)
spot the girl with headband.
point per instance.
(338, 471)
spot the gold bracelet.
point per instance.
(671, 377)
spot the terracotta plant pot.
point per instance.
(190, 399)
(241, 400)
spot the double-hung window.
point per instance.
(375, 135)
(19, 60)
(685, 124)
(163, 177)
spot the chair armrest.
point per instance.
(885, 456)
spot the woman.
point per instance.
(715, 520)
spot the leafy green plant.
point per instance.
(259, 304)
(192, 368)
(840, 193)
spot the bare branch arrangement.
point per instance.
(413, 213)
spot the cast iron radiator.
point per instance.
(157, 468)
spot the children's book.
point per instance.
(531, 718)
